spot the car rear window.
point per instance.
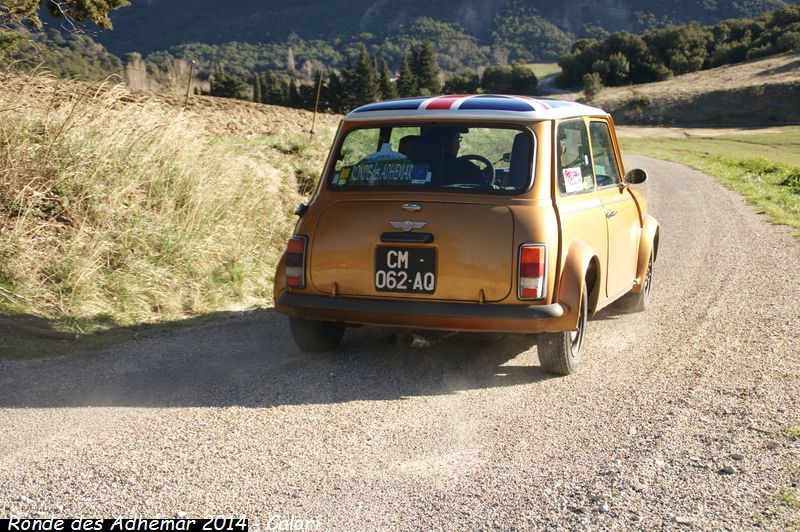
(464, 156)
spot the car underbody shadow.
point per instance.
(253, 362)
(614, 311)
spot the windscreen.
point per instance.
(435, 156)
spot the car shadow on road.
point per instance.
(253, 362)
(614, 311)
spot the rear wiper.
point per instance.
(466, 185)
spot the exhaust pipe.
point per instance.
(415, 340)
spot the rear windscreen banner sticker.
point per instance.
(386, 173)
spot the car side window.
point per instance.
(605, 161)
(358, 144)
(575, 173)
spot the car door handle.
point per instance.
(610, 214)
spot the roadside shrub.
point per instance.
(505, 79)
(761, 166)
(792, 181)
(462, 83)
(592, 85)
(761, 169)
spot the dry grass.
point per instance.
(117, 208)
(755, 93)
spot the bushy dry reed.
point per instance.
(118, 211)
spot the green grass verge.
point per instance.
(764, 168)
(542, 70)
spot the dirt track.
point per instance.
(230, 419)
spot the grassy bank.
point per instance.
(115, 211)
(542, 70)
(763, 167)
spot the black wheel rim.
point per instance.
(648, 278)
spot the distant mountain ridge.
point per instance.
(151, 25)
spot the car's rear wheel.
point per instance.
(560, 353)
(315, 336)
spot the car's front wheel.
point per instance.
(315, 336)
(560, 353)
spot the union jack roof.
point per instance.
(474, 106)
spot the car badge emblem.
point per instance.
(408, 225)
(411, 207)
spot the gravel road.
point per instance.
(679, 417)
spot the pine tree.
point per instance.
(387, 88)
(364, 83)
(426, 69)
(349, 84)
(293, 99)
(407, 84)
(333, 96)
(413, 58)
(307, 94)
(229, 86)
(274, 90)
(264, 90)
(257, 88)
(284, 93)
(290, 66)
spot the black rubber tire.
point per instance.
(315, 336)
(640, 301)
(560, 353)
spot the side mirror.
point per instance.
(637, 176)
(301, 209)
(506, 157)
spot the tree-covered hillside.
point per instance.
(624, 58)
(456, 50)
(153, 25)
(69, 55)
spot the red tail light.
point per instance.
(296, 262)
(532, 271)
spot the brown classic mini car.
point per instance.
(483, 213)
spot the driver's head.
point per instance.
(448, 136)
(453, 145)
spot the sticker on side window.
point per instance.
(573, 179)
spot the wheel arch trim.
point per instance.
(579, 259)
(648, 242)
